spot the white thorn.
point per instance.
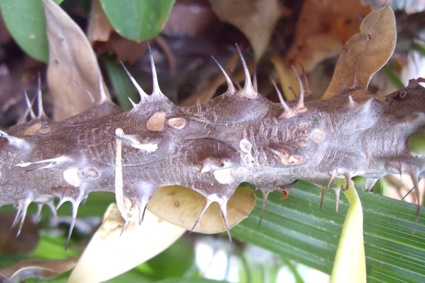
(300, 105)
(248, 90)
(143, 95)
(119, 192)
(351, 102)
(14, 141)
(337, 193)
(89, 94)
(41, 113)
(29, 105)
(223, 208)
(207, 204)
(230, 87)
(103, 96)
(75, 205)
(254, 79)
(133, 142)
(282, 102)
(156, 90)
(132, 102)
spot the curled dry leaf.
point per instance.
(182, 206)
(365, 53)
(255, 18)
(322, 29)
(99, 27)
(111, 253)
(35, 268)
(73, 69)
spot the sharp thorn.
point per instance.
(75, 205)
(89, 94)
(254, 78)
(414, 176)
(337, 193)
(230, 87)
(223, 208)
(305, 78)
(207, 204)
(143, 95)
(127, 221)
(142, 210)
(300, 104)
(41, 113)
(102, 92)
(282, 101)
(347, 176)
(331, 177)
(156, 90)
(351, 102)
(29, 105)
(248, 90)
(38, 214)
(370, 183)
(322, 197)
(263, 207)
(133, 104)
(408, 193)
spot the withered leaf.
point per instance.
(99, 27)
(182, 206)
(322, 29)
(35, 268)
(255, 18)
(73, 70)
(365, 52)
(111, 253)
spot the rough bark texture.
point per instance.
(237, 137)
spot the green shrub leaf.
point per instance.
(137, 20)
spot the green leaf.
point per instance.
(416, 144)
(137, 20)
(295, 228)
(191, 280)
(25, 22)
(349, 264)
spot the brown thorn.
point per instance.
(322, 197)
(414, 176)
(265, 196)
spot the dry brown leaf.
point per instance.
(255, 18)
(324, 22)
(126, 50)
(35, 268)
(191, 19)
(73, 68)
(111, 253)
(322, 29)
(182, 206)
(365, 53)
(99, 27)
